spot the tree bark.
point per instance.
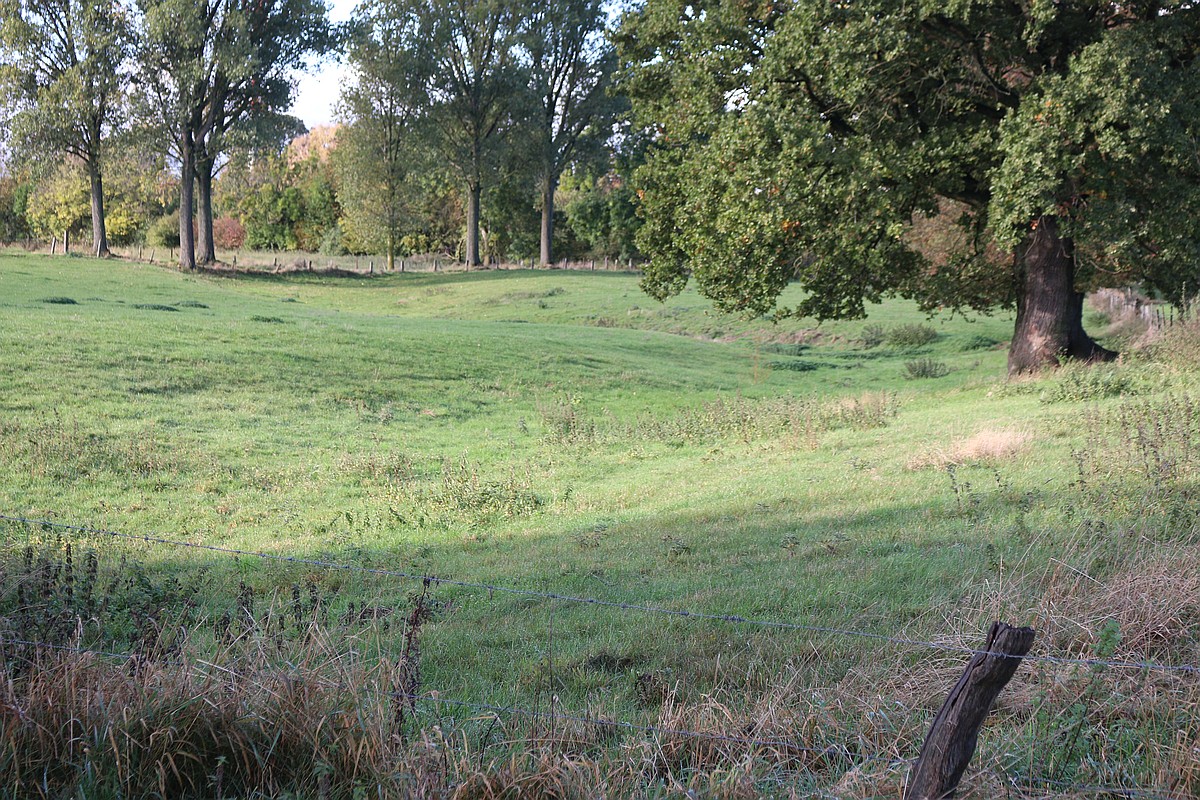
(204, 215)
(99, 234)
(548, 221)
(187, 185)
(1049, 323)
(473, 194)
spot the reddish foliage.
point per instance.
(228, 233)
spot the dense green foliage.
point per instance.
(422, 160)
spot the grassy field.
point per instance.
(561, 433)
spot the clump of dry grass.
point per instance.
(1154, 600)
(1176, 345)
(81, 724)
(988, 446)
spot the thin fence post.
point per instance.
(955, 731)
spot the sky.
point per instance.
(318, 90)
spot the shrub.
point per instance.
(977, 342)
(164, 231)
(795, 365)
(1076, 382)
(228, 233)
(915, 335)
(333, 243)
(873, 336)
(925, 368)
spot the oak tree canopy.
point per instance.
(798, 141)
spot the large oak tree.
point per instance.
(798, 141)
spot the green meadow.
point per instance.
(561, 433)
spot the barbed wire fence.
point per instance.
(440, 700)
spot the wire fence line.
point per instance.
(1079, 788)
(1193, 669)
(832, 752)
(436, 698)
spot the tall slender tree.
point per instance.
(475, 91)
(62, 77)
(382, 109)
(570, 70)
(177, 52)
(263, 43)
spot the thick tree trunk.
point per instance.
(187, 187)
(204, 215)
(548, 222)
(473, 194)
(99, 234)
(1049, 309)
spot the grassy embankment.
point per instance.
(561, 432)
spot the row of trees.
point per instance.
(498, 90)
(503, 95)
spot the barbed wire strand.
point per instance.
(831, 751)
(68, 649)
(596, 602)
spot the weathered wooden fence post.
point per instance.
(952, 737)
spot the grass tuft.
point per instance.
(925, 368)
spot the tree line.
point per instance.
(971, 155)
(454, 105)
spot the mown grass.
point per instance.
(560, 432)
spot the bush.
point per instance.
(977, 342)
(873, 336)
(164, 231)
(1076, 382)
(926, 368)
(911, 335)
(332, 243)
(228, 233)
